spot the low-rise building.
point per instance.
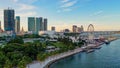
(51, 34)
(51, 49)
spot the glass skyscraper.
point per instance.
(31, 24)
(17, 24)
(9, 22)
(34, 24)
(37, 25)
(45, 24)
(41, 24)
(0, 25)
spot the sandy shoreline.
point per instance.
(51, 59)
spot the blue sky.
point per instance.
(103, 14)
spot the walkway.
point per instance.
(37, 64)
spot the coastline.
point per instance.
(52, 59)
(105, 51)
(48, 65)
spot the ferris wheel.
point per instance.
(90, 30)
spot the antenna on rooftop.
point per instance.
(9, 8)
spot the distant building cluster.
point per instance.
(66, 30)
(76, 29)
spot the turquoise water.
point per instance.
(106, 57)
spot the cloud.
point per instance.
(23, 7)
(30, 1)
(65, 10)
(27, 14)
(97, 13)
(64, 1)
(24, 1)
(14, 1)
(58, 11)
(69, 4)
(68, 9)
(111, 16)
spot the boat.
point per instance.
(96, 47)
(107, 42)
(91, 50)
(84, 50)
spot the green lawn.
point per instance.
(59, 44)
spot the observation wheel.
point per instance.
(90, 33)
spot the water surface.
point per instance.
(107, 57)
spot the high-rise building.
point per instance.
(31, 24)
(79, 29)
(35, 24)
(0, 28)
(17, 24)
(82, 29)
(74, 29)
(52, 28)
(9, 22)
(41, 24)
(0, 24)
(45, 24)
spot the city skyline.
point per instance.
(36, 24)
(103, 14)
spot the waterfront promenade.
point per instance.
(106, 57)
(49, 60)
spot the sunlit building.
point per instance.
(52, 28)
(74, 28)
(66, 30)
(1, 30)
(82, 28)
(17, 24)
(79, 29)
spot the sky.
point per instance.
(103, 14)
